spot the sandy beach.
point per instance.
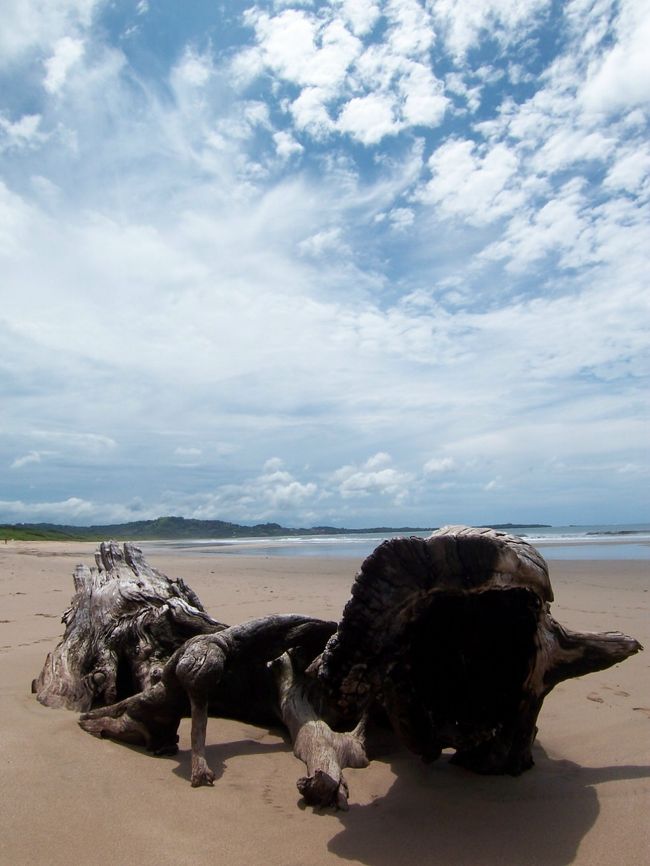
(70, 798)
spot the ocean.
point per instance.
(598, 541)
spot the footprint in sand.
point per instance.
(644, 710)
(617, 691)
(594, 696)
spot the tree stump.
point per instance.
(453, 636)
(124, 621)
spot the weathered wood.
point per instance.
(193, 675)
(450, 637)
(124, 621)
(453, 636)
(325, 752)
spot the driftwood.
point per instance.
(124, 621)
(449, 638)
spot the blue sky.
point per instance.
(354, 262)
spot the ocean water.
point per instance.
(598, 541)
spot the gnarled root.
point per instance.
(324, 752)
(148, 719)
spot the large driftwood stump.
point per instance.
(124, 621)
(453, 636)
(450, 637)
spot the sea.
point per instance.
(596, 541)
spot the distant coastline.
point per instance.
(178, 528)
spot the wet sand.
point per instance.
(70, 798)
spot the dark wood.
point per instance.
(453, 636)
(450, 638)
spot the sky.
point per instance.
(351, 263)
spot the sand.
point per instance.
(70, 798)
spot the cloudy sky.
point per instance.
(353, 262)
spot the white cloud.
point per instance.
(194, 69)
(77, 444)
(375, 476)
(410, 32)
(630, 172)
(439, 465)
(477, 184)
(286, 145)
(561, 225)
(378, 461)
(23, 132)
(92, 443)
(464, 22)
(368, 118)
(15, 218)
(361, 15)
(81, 512)
(187, 452)
(568, 146)
(275, 491)
(375, 89)
(309, 112)
(323, 242)
(34, 24)
(424, 103)
(620, 78)
(298, 48)
(32, 457)
(402, 217)
(67, 53)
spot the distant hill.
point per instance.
(183, 528)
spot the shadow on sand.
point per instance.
(443, 814)
(218, 755)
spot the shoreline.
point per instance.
(74, 798)
(319, 547)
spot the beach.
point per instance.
(70, 798)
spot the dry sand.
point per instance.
(70, 798)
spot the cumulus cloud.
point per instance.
(30, 25)
(620, 78)
(439, 465)
(20, 133)
(323, 242)
(286, 145)
(75, 510)
(472, 182)
(349, 83)
(402, 217)
(368, 118)
(67, 53)
(274, 492)
(464, 22)
(375, 476)
(194, 69)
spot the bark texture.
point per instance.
(453, 636)
(450, 638)
(325, 752)
(124, 621)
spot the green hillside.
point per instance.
(179, 528)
